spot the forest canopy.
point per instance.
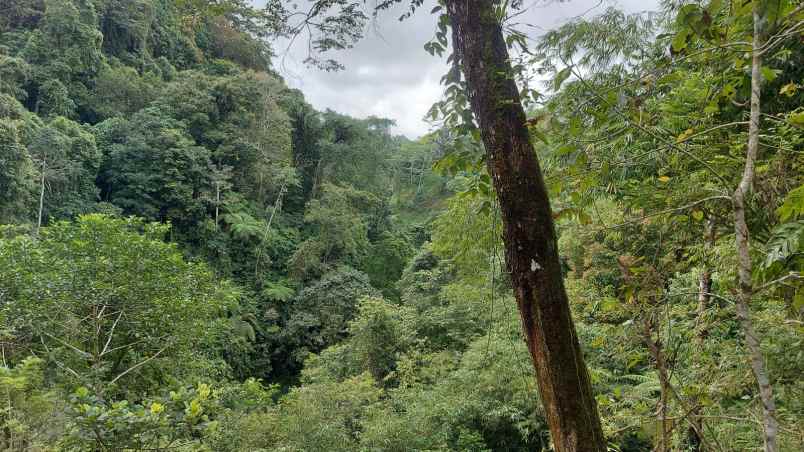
(194, 258)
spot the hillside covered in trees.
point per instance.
(598, 247)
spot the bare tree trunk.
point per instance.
(277, 206)
(705, 282)
(655, 350)
(217, 201)
(41, 197)
(694, 440)
(704, 289)
(531, 251)
(746, 290)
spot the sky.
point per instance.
(389, 74)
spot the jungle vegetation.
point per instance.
(598, 247)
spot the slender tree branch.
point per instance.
(140, 364)
(791, 275)
(111, 333)
(77, 350)
(662, 212)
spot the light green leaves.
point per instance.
(796, 118)
(679, 42)
(684, 135)
(728, 91)
(789, 89)
(561, 76)
(793, 205)
(769, 74)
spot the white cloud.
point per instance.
(389, 74)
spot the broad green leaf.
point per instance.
(539, 135)
(793, 205)
(680, 40)
(789, 90)
(798, 300)
(565, 150)
(684, 135)
(561, 77)
(796, 118)
(711, 108)
(769, 74)
(728, 91)
(714, 7)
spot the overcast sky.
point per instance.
(389, 74)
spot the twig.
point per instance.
(111, 333)
(78, 350)
(136, 366)
(791, 275)
(661, 212)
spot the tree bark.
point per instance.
(41, 197)
(528, 231)
(704, 285)
(694, 439)
(656, 352)
(217, 201)
(742, 243)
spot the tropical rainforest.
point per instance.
(598, 247)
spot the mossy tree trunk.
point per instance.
(529, 233)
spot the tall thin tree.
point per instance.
(742, 243)
(529, 235)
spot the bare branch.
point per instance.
(791, 275)
(662, 212)
(77, 350)
(111, 333)
(140, 364)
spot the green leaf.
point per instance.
(684, 135)
(728, 91)
(714, 6)
(789, 90)
(565, 150)
(680, 41)
(711, 108)
(561, 77)
(697, 215)
(796, 118)
(769, 74)
(798, 300)
(793, 205)
(539, 135)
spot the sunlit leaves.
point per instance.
(796, 118)
(789, 89)
(83, 270)
(793, 205)
(562, 75)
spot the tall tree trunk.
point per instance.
(41, 197)
(744, 295)
(694, 440)
(217, 201)
(704, 286)
(656, 352)
(531, 252)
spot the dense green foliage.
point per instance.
(194, 258)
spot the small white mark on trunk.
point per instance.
(534, 265)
